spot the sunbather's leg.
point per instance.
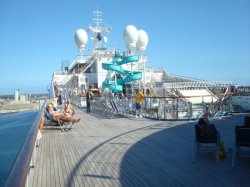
(57, 118)
(70, 119)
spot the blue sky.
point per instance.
(204, 39)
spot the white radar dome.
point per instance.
(130, 36)
(142, 40)
(105, 39)
(81, 38)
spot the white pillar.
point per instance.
(17, 95)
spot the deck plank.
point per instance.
(125, 152)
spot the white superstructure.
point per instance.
(124, 71)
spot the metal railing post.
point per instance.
(164, 108)
(177, 108)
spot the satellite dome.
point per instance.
(130, 36)
(142, 40)
(81, 38)
(105, 39)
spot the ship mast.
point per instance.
(98, 30)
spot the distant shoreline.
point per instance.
(7, 113)
(33, 94)
(17, 107)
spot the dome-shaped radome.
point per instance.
(142, 40)
(81, 38)
(130, 36)
(105, 39)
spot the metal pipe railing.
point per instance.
(166, 107)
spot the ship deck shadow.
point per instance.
(123, 152)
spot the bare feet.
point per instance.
(77, 120)
(60, 122)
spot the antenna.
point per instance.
(98, 30)
(97, 20)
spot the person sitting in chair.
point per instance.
(61, 116)
(206, 130)
(68, 109)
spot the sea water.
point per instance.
(14, 128)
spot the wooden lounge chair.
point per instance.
(206, 143)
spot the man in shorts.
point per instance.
(138, 102)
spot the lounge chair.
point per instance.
(206, 143)
(241, 143)
(49, 120)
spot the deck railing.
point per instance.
(164, 108)
(26, 157)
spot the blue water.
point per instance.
(14, 128)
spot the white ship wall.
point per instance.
(147, 77)
(102, 73)
(82, 81)
(192, 95)
(61, 79)
(243, 101)
(91, 78)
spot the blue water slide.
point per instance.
(113, 67)
(128, 59)
(130, 77)
(116, 66)
(112, 86)
(118, 55)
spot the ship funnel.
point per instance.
(81, 39)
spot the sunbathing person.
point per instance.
(68, 109)
(61, 116)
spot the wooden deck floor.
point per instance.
(125, 152)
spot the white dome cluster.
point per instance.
(135, 38)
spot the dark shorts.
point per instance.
(137, 106)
